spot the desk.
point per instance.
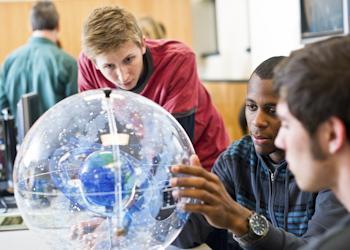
(27, 240)
(21, 240)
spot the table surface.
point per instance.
(28, 240)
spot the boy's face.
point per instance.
(307, 157)
(261, 116)
(124, 66)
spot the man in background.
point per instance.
(40, 66)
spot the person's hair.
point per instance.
(265, 69)
(151, 28)
(314, 82)
(44, 16)
(107, 28)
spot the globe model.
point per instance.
(93, 173)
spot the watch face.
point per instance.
(258, 224)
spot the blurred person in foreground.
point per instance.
(314, 108)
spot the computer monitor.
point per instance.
(28, 111)
(321, 19)
(7, 152)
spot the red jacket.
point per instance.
(174, 84)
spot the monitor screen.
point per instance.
(7, 151)
(28, 111)
(323, 18)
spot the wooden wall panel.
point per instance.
(15, 28)
(175, 14)
(228, 99)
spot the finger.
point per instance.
(89, 240)
(194, 171)
(85, 227)
(203, 209)
(78, 231)
(194, 160)
(198, 183)
(73, 232)
(202, 195)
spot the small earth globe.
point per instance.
(93, 173)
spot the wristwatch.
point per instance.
(258, 226)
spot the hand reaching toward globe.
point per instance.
(216, 205)
(86, 227)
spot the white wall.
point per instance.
(269, 27)
(233, 62)
(274, 28)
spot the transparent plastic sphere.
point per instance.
(93, 172)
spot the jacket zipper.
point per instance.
(271, 198)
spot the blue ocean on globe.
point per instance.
(98, 178)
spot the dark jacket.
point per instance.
(295, 215)
(335, 238)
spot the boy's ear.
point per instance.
(94, 62)
(337, 134)
(143, 45)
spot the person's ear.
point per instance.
(143, 45)
(337, 134)
(94, 63)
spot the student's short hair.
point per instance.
(315, 83)
(265, 69)
(44, 16)
(107, 28)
